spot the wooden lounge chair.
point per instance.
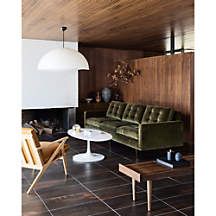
(39, 155)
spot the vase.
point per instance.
(178, 156)
(98, 98)
(106, 94)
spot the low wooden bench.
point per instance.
(150, 170)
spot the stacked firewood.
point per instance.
(40, 127)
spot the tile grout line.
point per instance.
(90, 202)
(101, 180)
(187, 207)
(179, 182)
(111, 187)
(43, 203)
(136, 204)
(73, 206)
(40, 198)
(165, 213)
(127, 180)
(176, 196)
(96, 196)
(169, 205)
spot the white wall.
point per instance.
(46, 89)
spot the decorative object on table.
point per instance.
(170, 155)
(61, 59)
(88, 100)
(98, 97)
(178, 156)
(116, 95)
(106, 94)
(123, 73)
(76, 128)
(172, 163)
(172, 160)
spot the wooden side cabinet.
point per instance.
(93, 109)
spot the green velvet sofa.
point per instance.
(140, 127)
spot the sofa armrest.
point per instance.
(161, 135)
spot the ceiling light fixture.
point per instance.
(62, 59)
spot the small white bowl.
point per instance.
(88, 100)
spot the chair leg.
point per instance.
(35, 180)
(64, 159)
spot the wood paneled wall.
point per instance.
(164, 80)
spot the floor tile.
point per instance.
(173, 213)
(180, 202)
(188, 211)
(60, 190)
(104, 184)
(138, 210)
(109, 213)
(29, 197)
(35, 207)
(176, 190)
(70, 200)
(116, 191)
(91, 176)
(82, 210)
(157, 184)
(185, 179)
(126, 200)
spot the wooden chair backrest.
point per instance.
(31, 152)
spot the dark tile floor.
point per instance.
(99, 189)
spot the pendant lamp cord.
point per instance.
(64, 28)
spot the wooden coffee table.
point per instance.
(150, 170)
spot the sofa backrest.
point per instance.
(133, 113)
(157, 114)
(115, 110)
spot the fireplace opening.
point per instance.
(52, 122)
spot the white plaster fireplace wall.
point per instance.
(46, 89)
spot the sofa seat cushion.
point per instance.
(95, 121)
(133, 113)
(115, 110)
(130, 131)
(111, 124)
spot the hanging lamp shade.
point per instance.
(63, 59)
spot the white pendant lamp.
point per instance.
(63, 59)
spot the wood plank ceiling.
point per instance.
(125, 24)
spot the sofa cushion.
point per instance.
(111, 124)
(115, 110)
(157, 114)
(95, 121)
(128, 131)
(133, 113)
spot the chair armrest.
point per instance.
(63, 139)
(161, 135)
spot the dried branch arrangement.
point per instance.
(123, 73)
